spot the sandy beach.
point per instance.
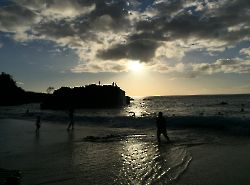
(55, 156)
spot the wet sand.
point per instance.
(55, 156)
(224, 162)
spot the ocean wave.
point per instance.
(237, 125)
(234, 124)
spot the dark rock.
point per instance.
(90, 96)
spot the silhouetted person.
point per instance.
(161, 127)
(219, 113)
(71, 119)
(242, 108)
(38, 123)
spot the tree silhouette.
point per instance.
(11, 94)
(7, 81)
(50, 90)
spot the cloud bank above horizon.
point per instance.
(107, 35)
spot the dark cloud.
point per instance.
(142, 50)
(116, 9)
(38, 4)
(14, 17)
(56, 29)
(167, 8)
(115, 29)
(166, 26)
(106, 16)
(206, 24)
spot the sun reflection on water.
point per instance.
(137, 108)
(144, 162)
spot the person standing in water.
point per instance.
(161, 127)
(38, 123)
(71, 119)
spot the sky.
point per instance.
(148, 47)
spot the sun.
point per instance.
(135, 65)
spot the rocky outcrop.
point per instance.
(90, 96)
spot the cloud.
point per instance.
(107, 34)
(132, 50)
(18, 20)
(222, 66)
(58, 9)
(245, 51)
(102, 66)
(191, 70)
(210, 23)
(1, 45)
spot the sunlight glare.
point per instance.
(135, 65)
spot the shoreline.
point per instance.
(214, 156)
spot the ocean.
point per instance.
(209, 138)
(210, 109)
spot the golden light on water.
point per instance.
(145, 162)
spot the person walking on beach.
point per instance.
(38, 123)
(161, 127)
(71, 119)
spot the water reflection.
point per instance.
(144, 162)
(37, 138)
(137, 108)
(71, 136)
